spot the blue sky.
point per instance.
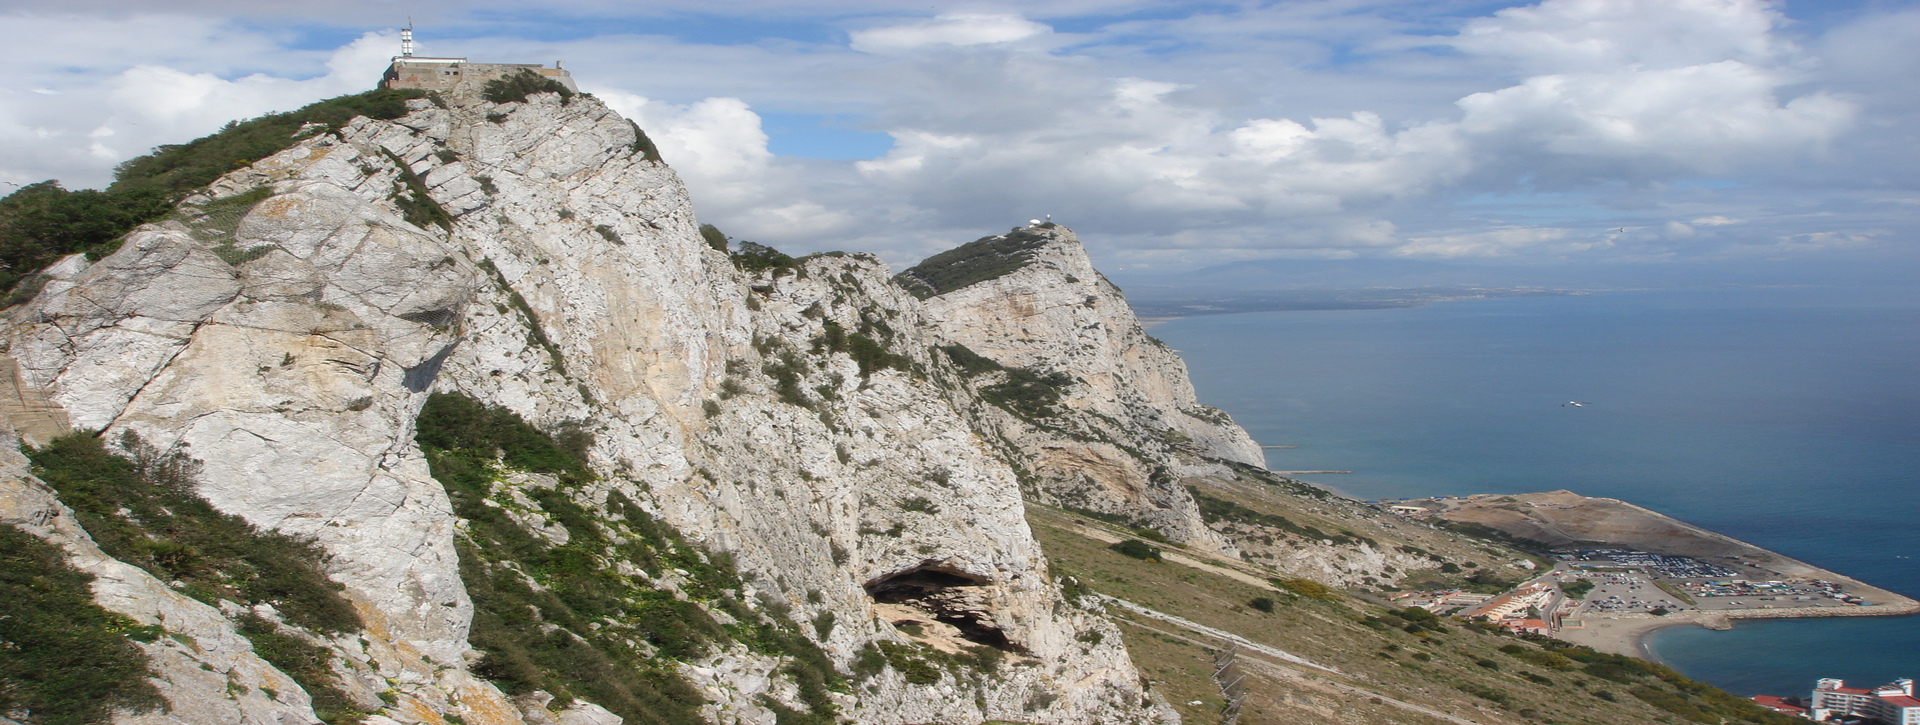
(1170, 135)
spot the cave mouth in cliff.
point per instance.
(948, 597)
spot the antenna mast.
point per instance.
(406, 40)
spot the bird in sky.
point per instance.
(1574, 403)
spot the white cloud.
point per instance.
(100, 119)
(719, 150)
(1304, 129)
(946, 30)
(1499, 242)
(1601, 36)
(1622, 91)
(1709, 118)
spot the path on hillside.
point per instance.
(1219, 634)
(1275, 670)
(1218, 565)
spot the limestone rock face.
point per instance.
(1127, 430)
(1057, 313)
(210, 672)
(286, 327)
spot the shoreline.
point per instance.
(1632, 634)
(1563, 519)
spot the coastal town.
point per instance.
(1609, 583)
(1657, 573)
(1586, 584)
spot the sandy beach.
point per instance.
(1628, 634)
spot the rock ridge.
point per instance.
(287, 325)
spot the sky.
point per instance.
(1170, 136)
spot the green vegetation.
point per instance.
(1674, 591)
(972, 263)
(644, 146)
(1487, 581)
(1488, 533)
(1307, 588)
(1538, 657)
(515, 88)
(416, 203)
(1024, 392)
(1662, 687)
(1409, 654)
(969, 362)
(1028, 393)
(1215, 510)
(922, 665)
(754, 258)
(142, 510)
(1414, 620)
(868, 353)
(66, 661)
(1577, 589)
(561, 618)
(910, 663)
(1483, 692)
(40, 223)
(871, 355)
(1137, 549)
(518, 581)
(175, 171)
(308, 664)
(711, 234)
(786, 369)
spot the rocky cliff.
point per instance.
(793, 429)
(1102, 415)
(544, 452)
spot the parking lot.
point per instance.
(1626, 592)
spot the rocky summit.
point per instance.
(460, 416)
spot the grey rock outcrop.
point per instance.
(1127, 428)
(286, 327)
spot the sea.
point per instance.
(1786, 417)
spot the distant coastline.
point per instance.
(1565, 520)
(1154, 306)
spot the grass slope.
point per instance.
(1440, 672)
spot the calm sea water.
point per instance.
(1789, 418)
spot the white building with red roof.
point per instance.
(1889, 704)
(1779, 705)
(1514, 603)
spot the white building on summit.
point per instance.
(454, 74)
(1889, 704)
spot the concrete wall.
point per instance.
(456, 74)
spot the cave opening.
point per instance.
(946, 596)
